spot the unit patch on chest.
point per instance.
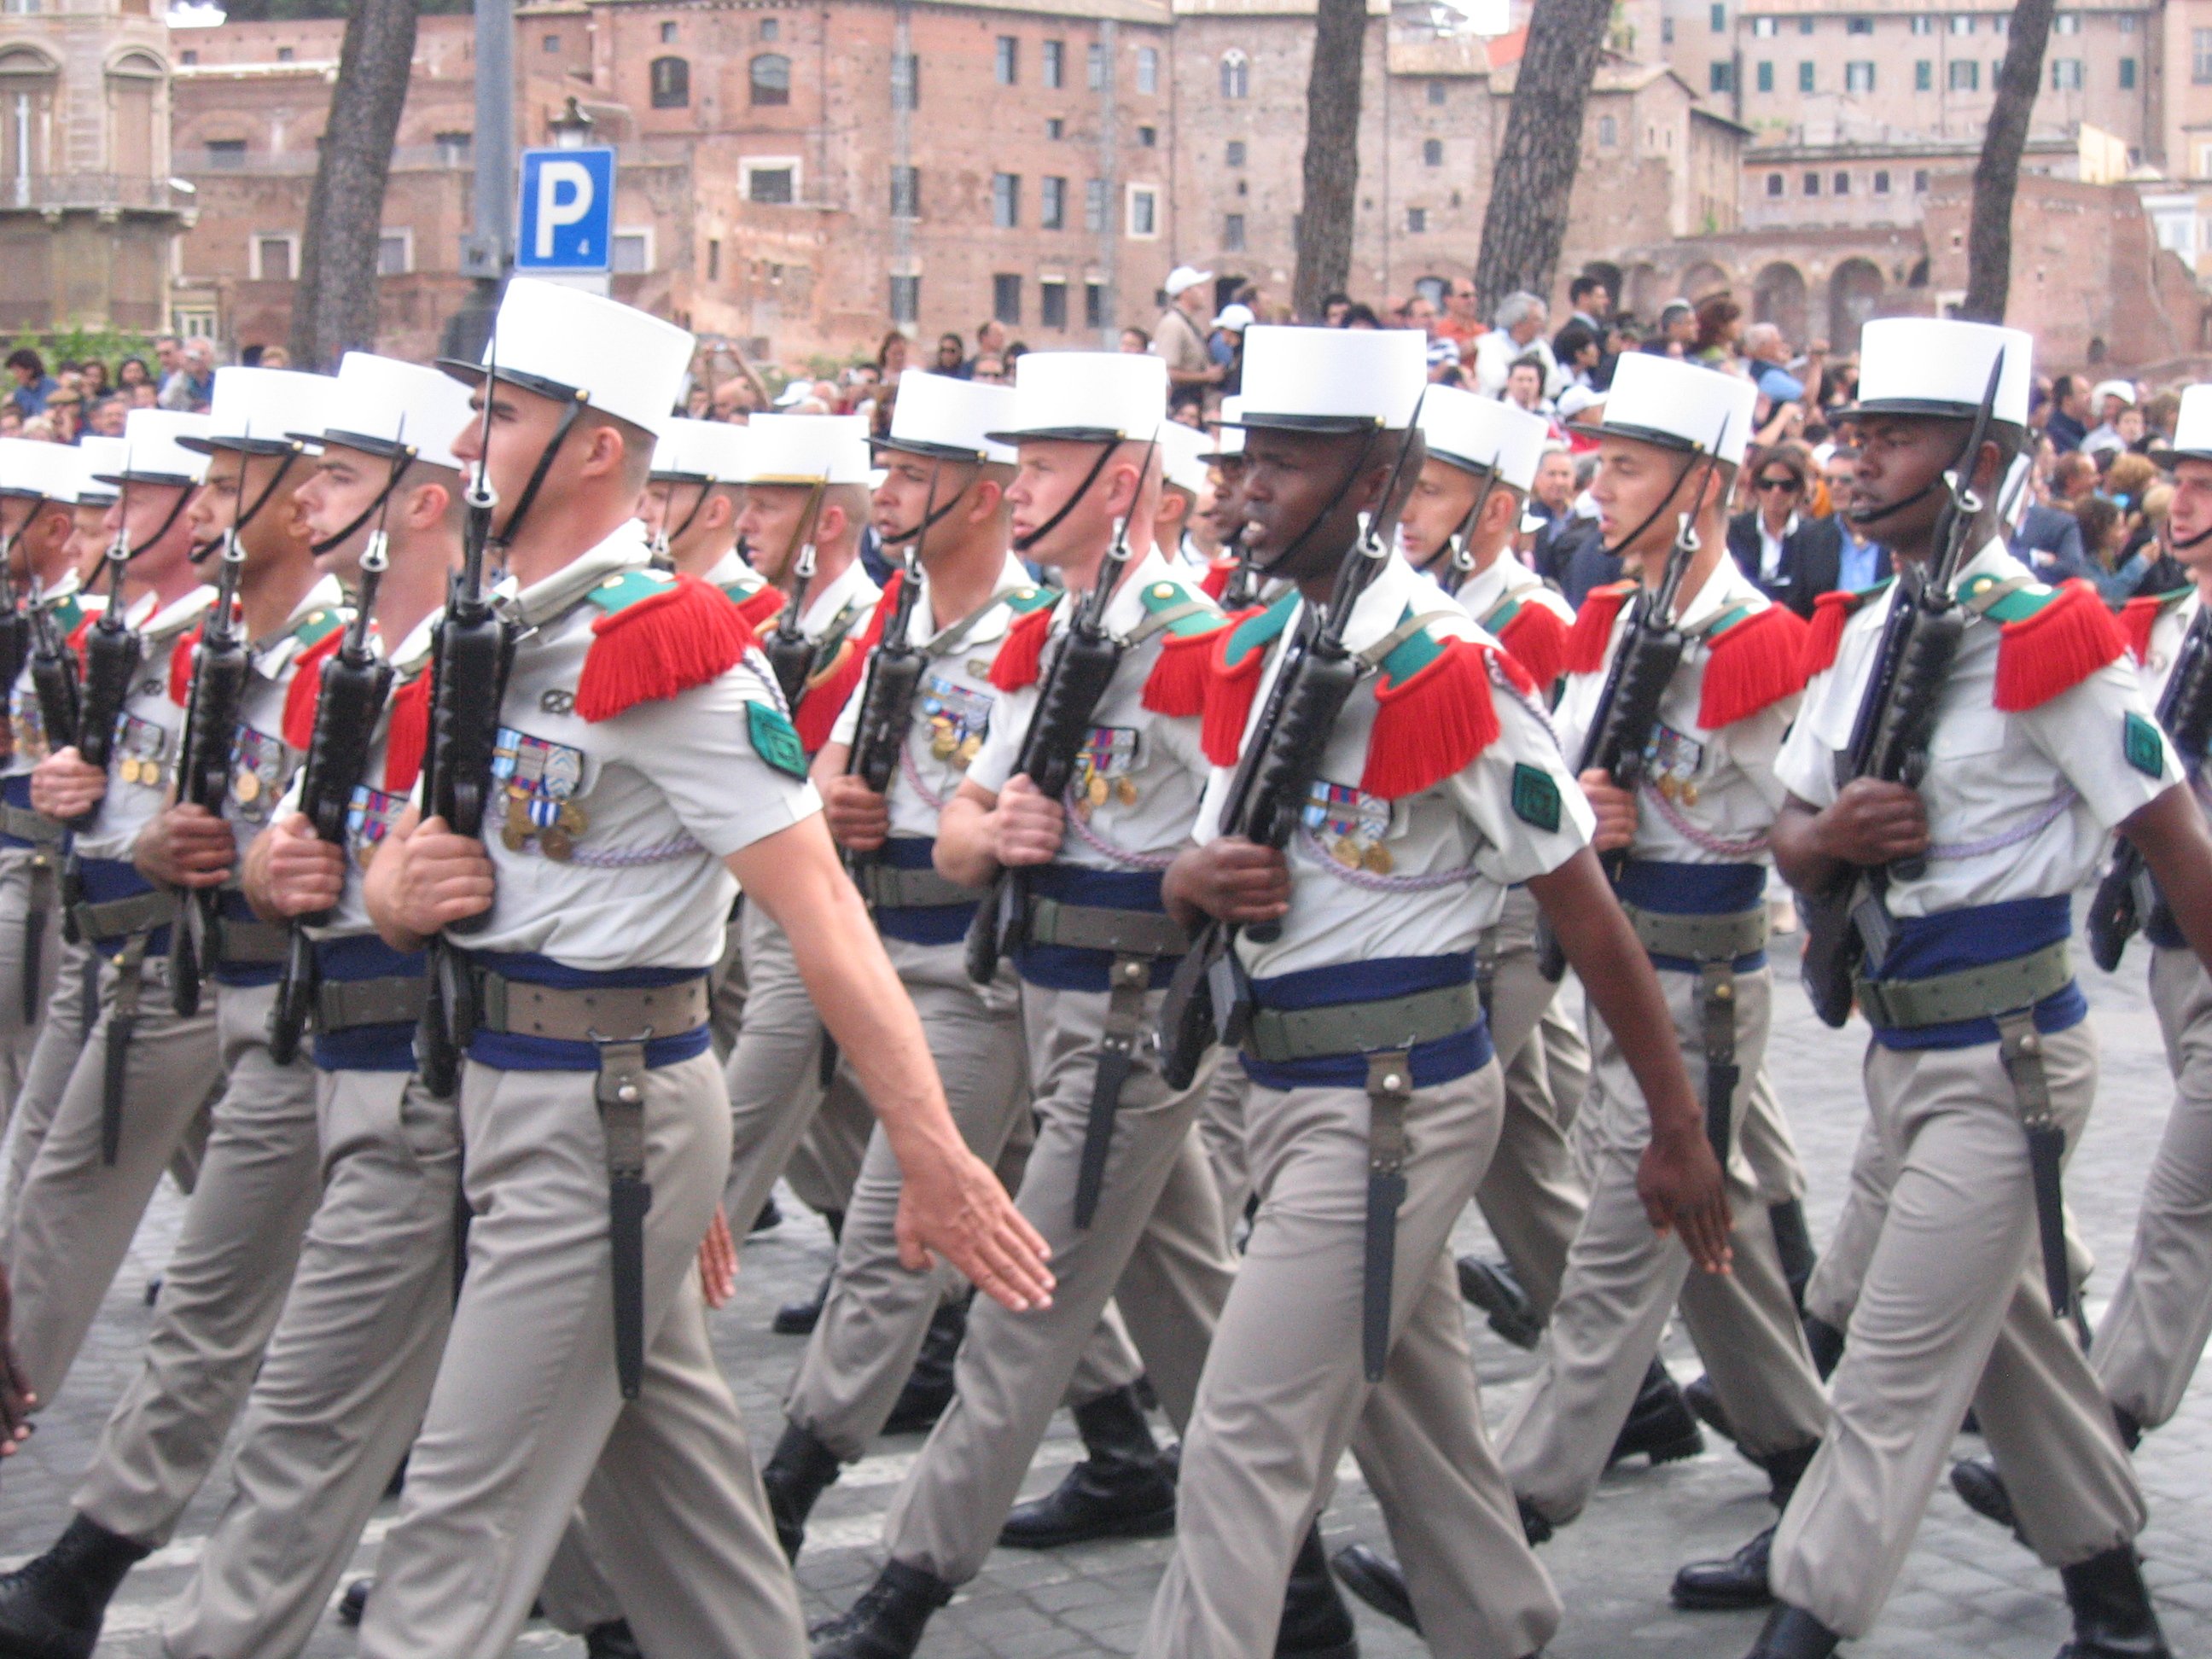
(1350, 824)
(539, 780)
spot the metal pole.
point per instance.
(488, 251)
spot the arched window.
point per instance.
(671, 83)
(1235, 75)
(771, 78)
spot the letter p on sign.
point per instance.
(567, 209)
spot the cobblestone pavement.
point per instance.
(1966, 1589)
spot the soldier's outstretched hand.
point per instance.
(953, 1206)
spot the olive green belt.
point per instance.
(1279, 1035)
(1095, 927)
(1996, 988)
(602, 1013)
(887, 888)
(1699, 938)
(26, 825)
(141, 913)
(344, 1005)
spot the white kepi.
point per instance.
(944, 419)
(154, 453)
(701, 451)
(1228, 436)
(1679, 406)
(2192, 429)
(1332, 379)
(807, 449)
(31, 470)
(1084, 397)
(1484, 435)
(1940, 367)
(264, 412)
(382, 406)
(98, 459)
(1183, 452)
(561, 342)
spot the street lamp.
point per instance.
(572, 127)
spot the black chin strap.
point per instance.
(665, 552)
(400, 463)
(2197, 540)
(930, 521)
(1665, 502)
(540, 474)
(1878, 513)
(201, 554)
(169, 524)
(1023, 544)
(1329, 508)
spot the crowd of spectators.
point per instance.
(63, 402)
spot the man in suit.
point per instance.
(1789, 555)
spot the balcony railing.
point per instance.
(94, 191)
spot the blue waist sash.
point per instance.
(366, 1048)
(920, 924)
(1071, 968)
(1974, 938)
(1694, 889)
(510, 1051)
(1430, 1063)
(102, 881)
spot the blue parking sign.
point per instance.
(567, 210)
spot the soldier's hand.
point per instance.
(952, 1207)
(1230, 878)
(306, 873)
(718, 1263)
(1872, 823)
(15, 1396)
(859, 818)
(185, 846)
(1025, 826)
(64, 785)
(441, 878)
(1683, 1191)
(1615, 808)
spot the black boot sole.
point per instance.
(1676, 1451)
(1156, 1523)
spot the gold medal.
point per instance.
(1378, 860)
(246, 786)
(1689, 794)
(127, 769)
(969, 745)
(515, 836)
(1669, 788)
(1098, 789)
(941, 744)
(1346, 853)
(556, 844)
(1125, 791)
(572, 820)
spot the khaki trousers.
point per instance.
(2152, 1335)
(75, 1215)
(526, 1419)
(871, 1326)
(46, 1073)
(1953, 1312)
(727, 1005)
(1221, 1133)
(1285, 1392)
(347, 1375)
(1530, 1194)
(782, 1121)
(222, 1289)
(24, 911)
(1156, 1246)
(1769, 1146)
(1623, 1280)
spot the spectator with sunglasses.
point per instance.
(1792, 556)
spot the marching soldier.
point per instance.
(1982, 1056)
(1687, 817)
(147, 1072)
(942, 498)
(1093, 946)
(1183, 469)
(1373, 1103)
(641, 760)
(796, 1111)
(232, 1264)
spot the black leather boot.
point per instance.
(2113, 1615)
(1982, 1489)
(800, 1318)
(1659, 1425)
(1793, 1243)
(355, 1602)
(770, 1215)
(797, 1474)
(1492, 1287)
(1704, 1403)
(889, 1619)
(51, 1608)
(1317, 1625)
(1535, 1526)
(1121, 1489)
(1792, 1633)
(611, 1640)
(1378, 1580)
(1740, 1580)
(1826, 1344)
(928, 1389)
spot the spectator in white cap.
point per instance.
(648, 764)
(1179, 338)
(2112, 399)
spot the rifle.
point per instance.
(54, 676)
(14, 626)
(1208, 998)
(471, 649)
(1058, 728)
(355, 682)
(893, 677)
(1242, 590)
(790, 653)
(1849, 923)
(203, 766)
(113, 652)
(2184, 710)
(1627, 710)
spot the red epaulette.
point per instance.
(1434, 712)
(661, 635)
(1536, 638)
(1021, 654)
(76, 641)
(2140, 615)
(1215, 581)
(407, 734)
(1593, 630)
(1237, 654)
(761, 606)
(1832, 613)
(2066, 639)
(1177, 684)
(306, 690)
(180, 665)
(1751, 665)
(827, 690)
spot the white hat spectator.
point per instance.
(1184, 276)
(1235, 319)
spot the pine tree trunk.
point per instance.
(1996, 176)
(334, 302)
(1332, 164)
(1526, 219)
